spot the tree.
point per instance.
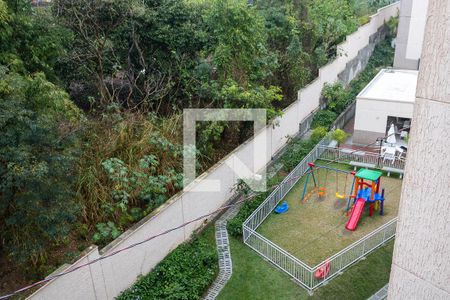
(3, 13)
(19, 6)
(30, 41)
(36, 165)
(240, 39)
(319, 133)
(139, 53)
(331, 21)
(94, 24)
(286, 35)
(339, 136)
(336, 96)
(165, 40)
(234, 96)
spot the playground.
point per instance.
(315, 228)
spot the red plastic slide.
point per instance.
(356, 214)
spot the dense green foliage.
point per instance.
(130, 164)
(29, 41)
(91, 94)
(337, 97)
(164, 54)
(332, 21)
(323, 118)
(136, 192)
(319, 133)
(339, 135)
(37, 148)
(184, 274)
(37, 200)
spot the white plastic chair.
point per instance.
(389, 154)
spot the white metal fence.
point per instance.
(344, 258)
(348, 155)
(297, 269)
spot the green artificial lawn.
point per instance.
(314, 230)
(254, 278)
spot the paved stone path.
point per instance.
(223, 249)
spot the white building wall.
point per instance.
(416, 29)
(421, 261)
(372, 115)
(410, 34)
(390, 93)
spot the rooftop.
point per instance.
(392, 85)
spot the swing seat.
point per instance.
(321, 192)
(339, 196)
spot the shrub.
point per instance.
(363, 20)
(184, 274)
(234, 226)
(37, 154)
(323, 118)
(130, 164)
(295, 152)
(337, 97)
(319, 133)
(339, 135)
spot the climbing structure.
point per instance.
(366, 190)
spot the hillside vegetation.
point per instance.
(92, 94)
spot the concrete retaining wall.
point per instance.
(107, 278)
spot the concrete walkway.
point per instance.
(223, 249)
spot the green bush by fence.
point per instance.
(184, 274)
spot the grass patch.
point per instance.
(254, 278)
(315, 229)
(361, 280)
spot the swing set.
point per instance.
(321, 187)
